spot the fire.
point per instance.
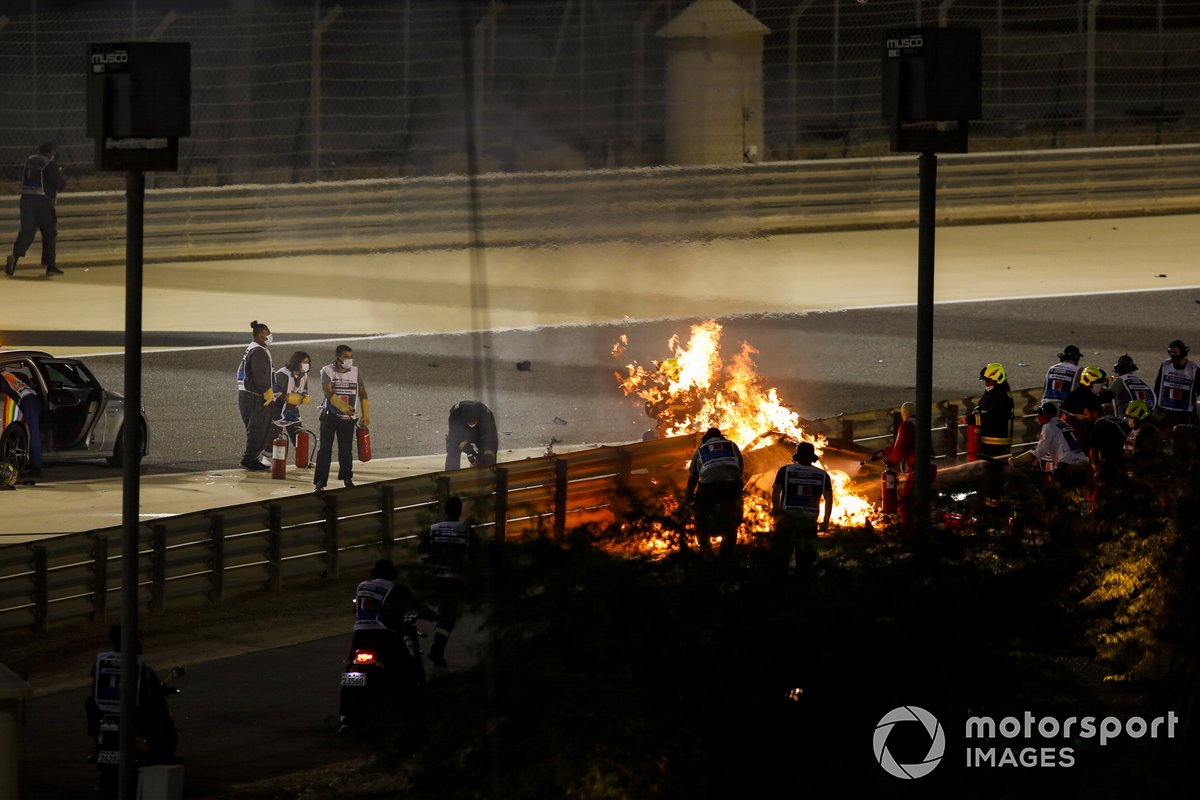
(694, 389)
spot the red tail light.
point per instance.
(364, 657)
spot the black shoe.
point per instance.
(254, 466)
(319, 488)
(349, 484)
(53, 271)
(10, 266)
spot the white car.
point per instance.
(80, 418)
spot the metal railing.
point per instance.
(648, 204)
(207, 556)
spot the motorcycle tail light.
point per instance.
(364, 657)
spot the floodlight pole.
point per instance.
(926, 222)
(131, 452)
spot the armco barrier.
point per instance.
(629, 204)
(208, 556)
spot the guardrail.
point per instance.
(207, 556)
(651, 204)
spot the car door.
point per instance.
(72, 397)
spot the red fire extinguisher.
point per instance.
(363, 440)
(973, 424)
(888, 490)
(303, 448)
(279, 448)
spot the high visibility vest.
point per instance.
(106, 681)
(1060, 379)
(345, 386)
(717, 460)
(803, 487)
(241, 370)
(449, 545)
(368, 602)
(1176, 387)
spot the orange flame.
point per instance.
(693, 390)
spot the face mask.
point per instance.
(304, 367)
(347, 363)
(270, 338)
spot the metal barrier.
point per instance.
(666, 203)
(208, 556)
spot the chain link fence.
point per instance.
(292, 92)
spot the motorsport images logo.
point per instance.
(937, 742)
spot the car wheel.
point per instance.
(14, 446)
(117, 459)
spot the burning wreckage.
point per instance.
(694, 389)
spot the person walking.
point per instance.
(714, 490)
(41, 181)
(471, 429)
(450, 549)
(345, 392)
(255, 395)
(796, 496)
(1175, 389)
(291, 392)
(1062, 377)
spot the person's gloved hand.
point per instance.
(268, 396)
(295, 398)
(305, 399)
(340, 404)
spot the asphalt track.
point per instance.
(1109, 300)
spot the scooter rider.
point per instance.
(153, 717)
(380, 605)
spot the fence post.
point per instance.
(331, 537)
(624, 467)
(99, 577)
(41, 601)
(847, 430)
(950, 436)
(387, 519)
(560, 499)
(501, 528)
(274, 547)
(443, 493)
(216, 542)
(158, 569)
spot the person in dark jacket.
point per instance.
(450, 549)
(256, 392)
(995, 412)
(41, 181)
(471, 430)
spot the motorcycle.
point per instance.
(149, 748)
(370, 676)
